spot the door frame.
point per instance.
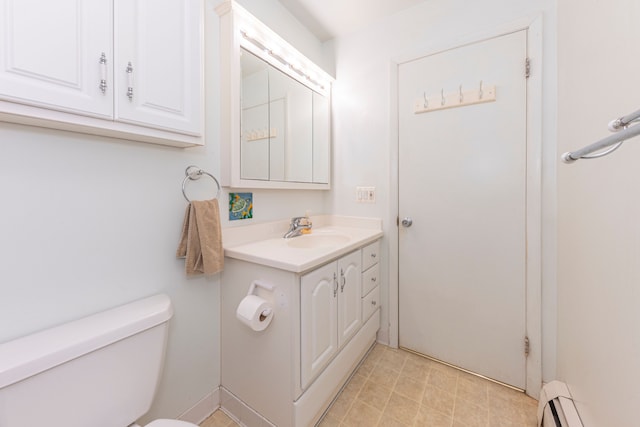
(533, 305)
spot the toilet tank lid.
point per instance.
(35, 353)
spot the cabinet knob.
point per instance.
(373, 255)
(373, 303)
(373, 279)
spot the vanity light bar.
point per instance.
(255, 41)
(260, 45)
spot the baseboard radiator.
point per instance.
(556, 407)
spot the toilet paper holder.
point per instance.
(259, 284)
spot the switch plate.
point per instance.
(365, 194)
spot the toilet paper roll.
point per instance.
(255, 312)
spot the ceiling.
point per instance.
(328, 19)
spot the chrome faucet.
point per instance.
(298, 224)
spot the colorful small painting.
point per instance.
(240, 206)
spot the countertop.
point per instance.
(277, 252)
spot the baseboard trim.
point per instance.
(383, 337)
(203, 409)
(240, 412)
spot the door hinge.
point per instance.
(527, 346)
(527, 68)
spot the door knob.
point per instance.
(407, 222)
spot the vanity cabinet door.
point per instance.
(318, 314)
(158, 67)
(330, 312)
(349, 297)
(51, 55)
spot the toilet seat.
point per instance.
(170, 423)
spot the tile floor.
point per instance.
(218, 419)
(397, 388)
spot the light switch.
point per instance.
(365, 194)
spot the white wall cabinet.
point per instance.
(330, 312)
(52, 52)
(126, 68)
(158, 77)
(289, 373)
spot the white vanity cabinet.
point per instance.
(288, 374)
(125, 68)
(330, 312)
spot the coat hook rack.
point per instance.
(456, 99)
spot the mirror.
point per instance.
(275, 113)
(284, 133)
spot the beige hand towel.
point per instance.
(201, 239)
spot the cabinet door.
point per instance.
(51, 52)
(318, 312)
(159, 64)
(349, 297)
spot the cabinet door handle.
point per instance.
(373, 279)
(373, 303)
(373, 255)
(344, 280)
(130, 81)
(335, 285)
(103, 73)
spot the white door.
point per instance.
(462, 181)
(159, 64)
(51, 54)
(318, 314)
(349, 296)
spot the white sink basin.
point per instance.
(313, 241)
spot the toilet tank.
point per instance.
(98, 371)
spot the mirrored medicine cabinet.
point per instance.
(275, 109)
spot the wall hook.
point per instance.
(477, 94)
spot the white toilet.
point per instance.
(99, 371)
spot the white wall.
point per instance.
(364, 124)
(598, 211)
(88, 223)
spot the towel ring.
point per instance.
(196, 174)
